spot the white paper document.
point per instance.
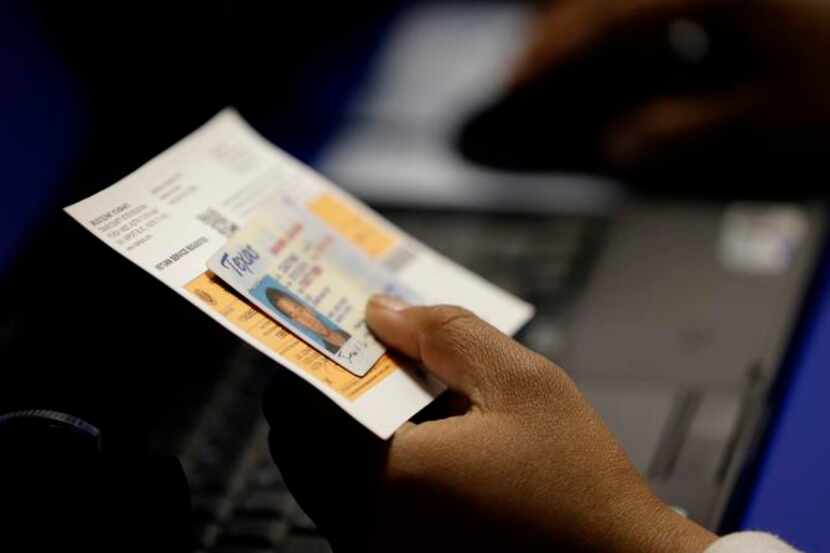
(285, 260)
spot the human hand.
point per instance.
(784, 86)
(517, 460)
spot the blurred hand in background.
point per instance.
(785, 85)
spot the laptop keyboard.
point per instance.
(544, 260)
(239, 499)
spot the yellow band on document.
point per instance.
(264, 330)
(351, 225)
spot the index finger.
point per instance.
(569, 29)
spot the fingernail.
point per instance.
(390, 303)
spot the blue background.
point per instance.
(792, 488)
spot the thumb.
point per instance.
(464, 352)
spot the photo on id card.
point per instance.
(309, 322)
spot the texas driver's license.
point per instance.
(285, 260)
(300, 272)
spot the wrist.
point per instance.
(660, 529)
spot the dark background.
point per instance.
(90, 92)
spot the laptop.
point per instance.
(672, 315)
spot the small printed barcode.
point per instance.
(218, 222)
